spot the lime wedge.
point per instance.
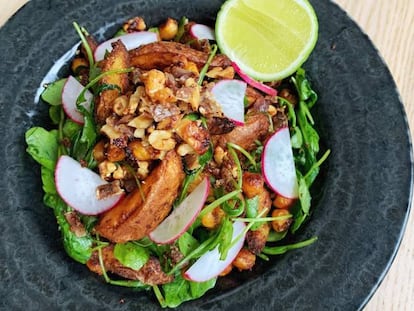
(268, 39)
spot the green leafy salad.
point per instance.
(167, 167)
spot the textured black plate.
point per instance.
(359, 217)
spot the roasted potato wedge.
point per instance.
(163, 54)
(142, 210)
(255, 128)
(118, 58)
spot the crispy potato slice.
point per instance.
(118, 58)
(162, 54)
(133, 218)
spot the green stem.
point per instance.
(239, 169)
(278, 250)
(85, 43)
(255, 219)
(318, 163)
(244, 152)
(207, 65)
(218, 202)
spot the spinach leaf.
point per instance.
(252, 210)
(53, 92)
(78, 248)
(55, 114)
(42, 145)
(131, 255)
(48, 180)
(187, 243)
(181, 290)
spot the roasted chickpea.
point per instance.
(252, 184)
(134, 24)
(282, 224)
(282, 202)
(212, 219)
(99, 151)
(244, 260)
(226, 271)
(168, 30)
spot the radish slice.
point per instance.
(209, 265)
(182, 216)
(70, 94)
(77, 185)
(130, 40)
(256, 84)
(278, 166)
(230, 94)
(200, 31)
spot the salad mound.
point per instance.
(167, 167)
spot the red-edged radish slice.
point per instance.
(209, 265)
(70, 94)
(77, 185)
(230, 94)
(182, 216)
(278, 165)
(131, 41)
(200, 31)
(256, 84)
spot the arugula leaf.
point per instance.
(131, 255)
(305, 91)
(278, 250)
(304, 195)
(42, 145)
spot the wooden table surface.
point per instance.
(390, 25)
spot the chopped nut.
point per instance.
(139, 133)
(108, 190)
(119, 173)
(143, 121)
(142, 152)
(120, 105)
(194, 134)
(134, 99)
(219, 155)
(271, 110)
(191, 66)
(220, 73)
(143, 169)
(76, 226)
(99, 151)
(106, 168)
(161, 140)
(111, 132)
(115, 154)
(184, 149)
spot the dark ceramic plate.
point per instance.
(360, 211)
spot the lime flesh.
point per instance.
(268, 39)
